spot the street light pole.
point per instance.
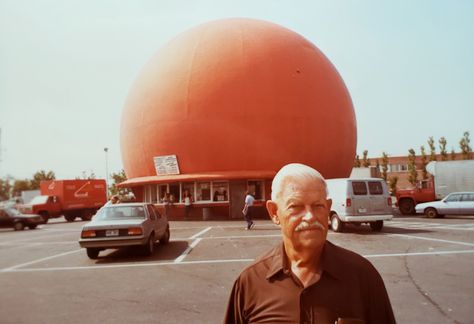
(106, 150)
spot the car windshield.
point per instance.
(39, 200)
(120, 212)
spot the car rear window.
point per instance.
(113, 212)
(375, 188)
(359, 188)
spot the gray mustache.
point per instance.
(307, 226)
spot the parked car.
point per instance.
(11, 217)
(123, 225)
(359, 201)
(456, 203)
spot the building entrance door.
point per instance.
(237, 198)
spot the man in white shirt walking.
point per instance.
(248, 208)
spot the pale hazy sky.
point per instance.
(66, 68)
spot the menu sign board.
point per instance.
(166, 164)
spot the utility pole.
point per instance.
(106, 150)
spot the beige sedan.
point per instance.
(122, 225)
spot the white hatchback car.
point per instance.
(456, 203)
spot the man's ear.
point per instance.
(272, 211)
(329, 204)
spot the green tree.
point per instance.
(365, 159)
(5, 189)
(466, 149)
(412, 174)
(19, 186)
(392, 182)
(442, 147)
(40, 176)
(384, 165)
(432, 149)
(424, 162)
(357, 161)
(117, 178)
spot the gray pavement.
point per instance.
(427, 266)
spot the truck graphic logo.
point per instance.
(51, 185)
(82, 192)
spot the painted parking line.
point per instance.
(39, 260)
(48, 236)
(431, 239)
(200, 233)
(240, 236)
(130, 265)
(417, 253)
(217, 261)
(187, 251)
(420, 225)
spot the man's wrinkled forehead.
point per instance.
(292, 187)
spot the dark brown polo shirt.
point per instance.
(350, 288)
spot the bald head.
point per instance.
(294, 171)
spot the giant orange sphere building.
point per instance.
(232, 101)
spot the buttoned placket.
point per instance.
(306, 313)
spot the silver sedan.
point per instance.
(122, 225)
(456, 203)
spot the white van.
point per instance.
(359, 201)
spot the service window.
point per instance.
(174, 192)
(359, 188)
(189, 186)
(154, 194)
(220, 190)
(375, 188)
(147, 194)
(256, 187)
(162, 190)
(203, 191)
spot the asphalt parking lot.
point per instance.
(45, 277)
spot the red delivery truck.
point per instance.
(71, 198)
(446, 177)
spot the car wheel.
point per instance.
(69, 217)
(32, 226)
(431, 213)
(93, 253)
(407, 207)
(336, 224)
(18, 226)
(87, 215)
(166, 237)
(44, 215)
(149, 247)
(376, 226)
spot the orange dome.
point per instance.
(239, 95)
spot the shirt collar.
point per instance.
(279, 262)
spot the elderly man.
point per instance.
(307, 279)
